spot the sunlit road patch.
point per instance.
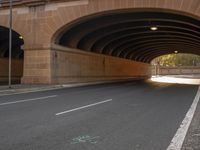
(175, 79)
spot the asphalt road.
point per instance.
(119, 116)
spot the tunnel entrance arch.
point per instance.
(129, 33)
(17, 56)
(44, 60)
(132, 35)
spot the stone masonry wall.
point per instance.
(70, 65)
(17, 70)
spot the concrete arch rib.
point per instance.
(88, 40)
(136, 49)
(159, 49)
(169, 46)
(127, 47)
(124, 33)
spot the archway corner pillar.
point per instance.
(37, 65)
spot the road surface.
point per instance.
(132, 115)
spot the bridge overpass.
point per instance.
(62, 41)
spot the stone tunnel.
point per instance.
(17, 56)
(62, 41)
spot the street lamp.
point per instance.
(10, 45)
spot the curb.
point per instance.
(18, 90)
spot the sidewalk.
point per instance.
(20, 88)
(17, 89)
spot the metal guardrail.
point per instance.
(159, 70)
(5, 3)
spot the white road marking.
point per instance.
(79, 108)
(178, 139)
(27, 100)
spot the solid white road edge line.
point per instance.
(27, 100)
(178, 139)
(64, 112)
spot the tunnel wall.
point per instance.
(70, 65)
(17, 70)
(37, 67)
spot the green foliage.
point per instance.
(172, 60)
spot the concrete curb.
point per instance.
(20, 89)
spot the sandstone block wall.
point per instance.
(37, 69)
(17, 70)
(70, 65)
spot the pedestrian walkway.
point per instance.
(17, 89)
(20, 88)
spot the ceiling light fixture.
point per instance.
(154, 28)
(20, 37)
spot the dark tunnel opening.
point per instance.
(140, 35)
(17, 56)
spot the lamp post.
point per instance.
(10, 46)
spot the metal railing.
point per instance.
(5, 3)
(160, 70)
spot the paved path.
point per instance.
(118, 116)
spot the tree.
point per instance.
(180, 59)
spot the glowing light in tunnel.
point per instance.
(176, 79)
(20, 37)
(175, 52)
(154, 28)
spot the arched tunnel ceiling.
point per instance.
(17, 42)
(127, 34)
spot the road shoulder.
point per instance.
(192, 140)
